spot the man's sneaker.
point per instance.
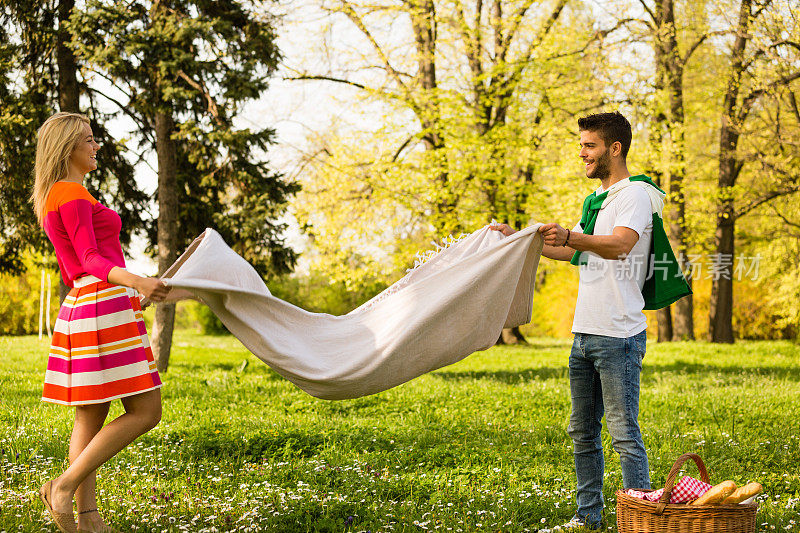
(575, 525)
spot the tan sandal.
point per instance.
(65, 522)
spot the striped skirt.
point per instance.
(100, 351)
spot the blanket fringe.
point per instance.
(420, 258)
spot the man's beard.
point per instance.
(602, 169)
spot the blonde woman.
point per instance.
(100, 351)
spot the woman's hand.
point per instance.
(504, 228)
(153, 288)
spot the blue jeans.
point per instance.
(604, 377)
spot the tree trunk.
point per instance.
(683, 309)
(423, 24)
(68, 93)
(664, 319)
(63, 290)
(167, 238)
(511, 336)
(683, 318)
(682, 321)
(720, 327)
(674, 323)
(681, 313)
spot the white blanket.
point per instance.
(454, 304)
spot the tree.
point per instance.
(22, 107)
(473, 100)
(770, 237)
(771, 64)
(40, 77)
(186, 69)
(669, 145)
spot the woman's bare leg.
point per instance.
(89, 420)
(142, 413)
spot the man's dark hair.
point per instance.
(612, 127)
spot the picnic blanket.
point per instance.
(454, 303)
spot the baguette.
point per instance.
(716, 494)
(742, 493)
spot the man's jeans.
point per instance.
(604, 375)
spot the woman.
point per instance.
(100, 351)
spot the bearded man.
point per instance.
(612, 244)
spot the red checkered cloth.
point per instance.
(687, 489)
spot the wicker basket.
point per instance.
(635, 515)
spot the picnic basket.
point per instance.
(635, 515)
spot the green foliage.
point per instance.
(495, 135)
(477, 446)
(198, 317)
(20, 296)
(481, 138)
(200, 63)
(318, 293)
(29, 93)
(763, 309)
(780, 288)
(553, 300)
(26, 96)
(753, 315)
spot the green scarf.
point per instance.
(666, 283)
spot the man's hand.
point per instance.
(504, 228)
(559, 253)
(554, 235)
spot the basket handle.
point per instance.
(673, 473)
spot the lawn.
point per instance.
(478, 446)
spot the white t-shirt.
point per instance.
(610, 298)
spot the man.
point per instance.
(612, 246)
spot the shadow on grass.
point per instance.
(695, 369)
(252, 367)
(205, 442)
(649, 372)
(548, 344)
(434, 444)
(506, 376)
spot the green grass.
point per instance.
(478, 446)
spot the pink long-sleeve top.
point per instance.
(84, 232)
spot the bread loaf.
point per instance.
(742, 493)
(716, 494)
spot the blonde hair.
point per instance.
(55, 142)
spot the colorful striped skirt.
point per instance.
(100, 351)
